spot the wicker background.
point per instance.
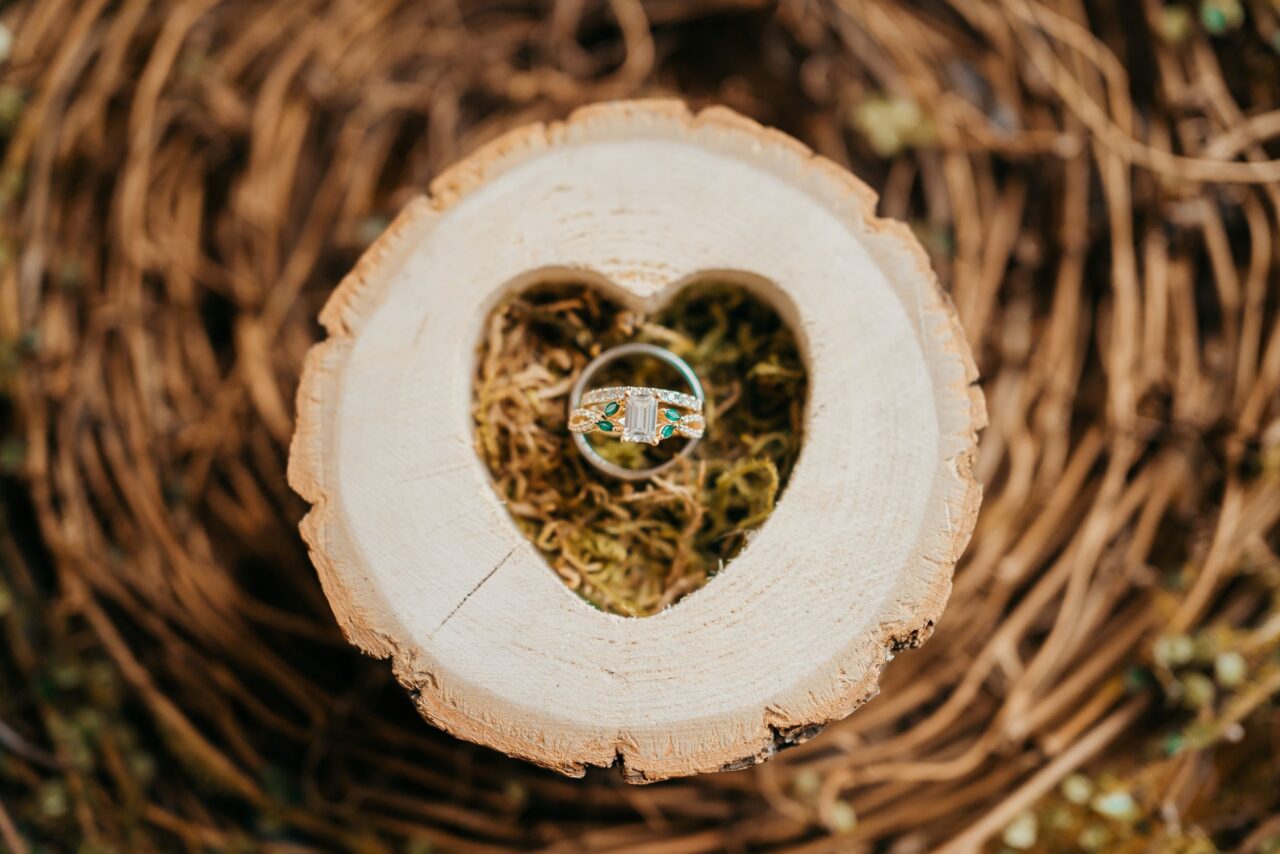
(184, 182)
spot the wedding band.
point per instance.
(638, 414)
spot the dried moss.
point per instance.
(631, 548)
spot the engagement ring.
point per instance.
(636, 413)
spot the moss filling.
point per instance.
(634, 548)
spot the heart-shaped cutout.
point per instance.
(636, 548)
(424, 564)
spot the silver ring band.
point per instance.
(578, 395)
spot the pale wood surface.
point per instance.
(422, 563)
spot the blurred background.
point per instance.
(182, 185)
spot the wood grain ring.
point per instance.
(420, 560)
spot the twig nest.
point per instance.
(422, 563)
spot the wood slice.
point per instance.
(423, 565)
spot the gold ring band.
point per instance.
(639, 414)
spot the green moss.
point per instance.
(635, 548)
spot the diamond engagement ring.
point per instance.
(636, 413)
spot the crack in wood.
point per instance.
(479, 584)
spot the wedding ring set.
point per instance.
(639, 414)
(636, 414)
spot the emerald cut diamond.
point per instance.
(642, 417)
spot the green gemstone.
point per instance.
(672, 415)
(668, 431)
(611, 409)
(606, 426)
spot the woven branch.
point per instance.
(183, 184)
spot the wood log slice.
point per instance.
(422, 563)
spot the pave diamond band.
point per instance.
(618, 393)
(636, 414)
